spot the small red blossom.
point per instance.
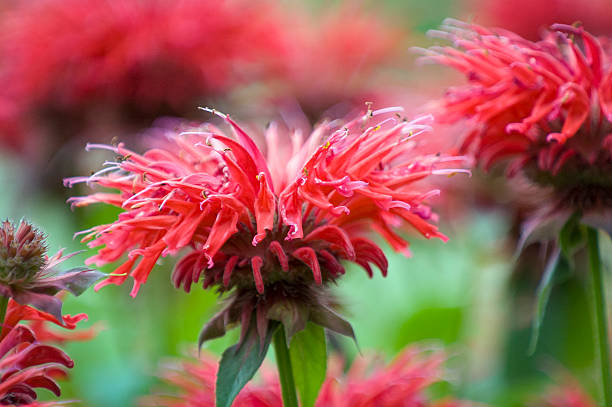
(26, 362)
(402, 383)
(273, 226)
(29, 276)
(546, 106)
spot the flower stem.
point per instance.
(3, 307)
(285, 371)
(601, 327)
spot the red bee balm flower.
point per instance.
(546, 105)
(272, 230)
(27, 363)
(30, 277)
(403, 383)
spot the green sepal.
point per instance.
(327, 318)
(214, 328)
(79, 279)
(292, 315)
(240, 362)
(308, 353)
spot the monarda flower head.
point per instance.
(368, 383)
(26, 362)
(546, 107)
(269, 229)
(29, 276)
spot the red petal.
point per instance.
(276, 248)
(256, 263)
(308, 256)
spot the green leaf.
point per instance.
(309, 360)
(240, 362)
(543, 294)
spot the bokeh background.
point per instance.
(74, 71)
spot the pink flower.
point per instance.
(273, 226)
(544, 106)
(403, 383)
(570, 394)
(74, 61)
(338, 56)
(29, 276)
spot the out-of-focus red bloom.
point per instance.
(571, 394)
(273, 226)
(594, 15)
(26, 362)
(338, 56)
(139, 58)
(403, 383)
(29, 276)
(546, 106)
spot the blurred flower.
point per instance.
(546, 106)
(367, 383)
(272, 230)
(570, 394)
(26, 362)
(338, 56)
(30, 277)
(67, 63)
(594, 15)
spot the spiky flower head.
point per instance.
(22, 253)
(29, 276)
(543, 107)
(269, 230)
(368, 383)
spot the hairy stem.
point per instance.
(601, 326)
(285, 371)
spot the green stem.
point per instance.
(3, 306)
(285, 371)
(601, 325)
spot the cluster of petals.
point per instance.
(546, 105)
(26, 361)
(251, 218)
(148, 56)
(368, 383)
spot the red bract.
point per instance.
(277, 224)
(25, 362)
(84, 58)
(546, 106)
(403, 383)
